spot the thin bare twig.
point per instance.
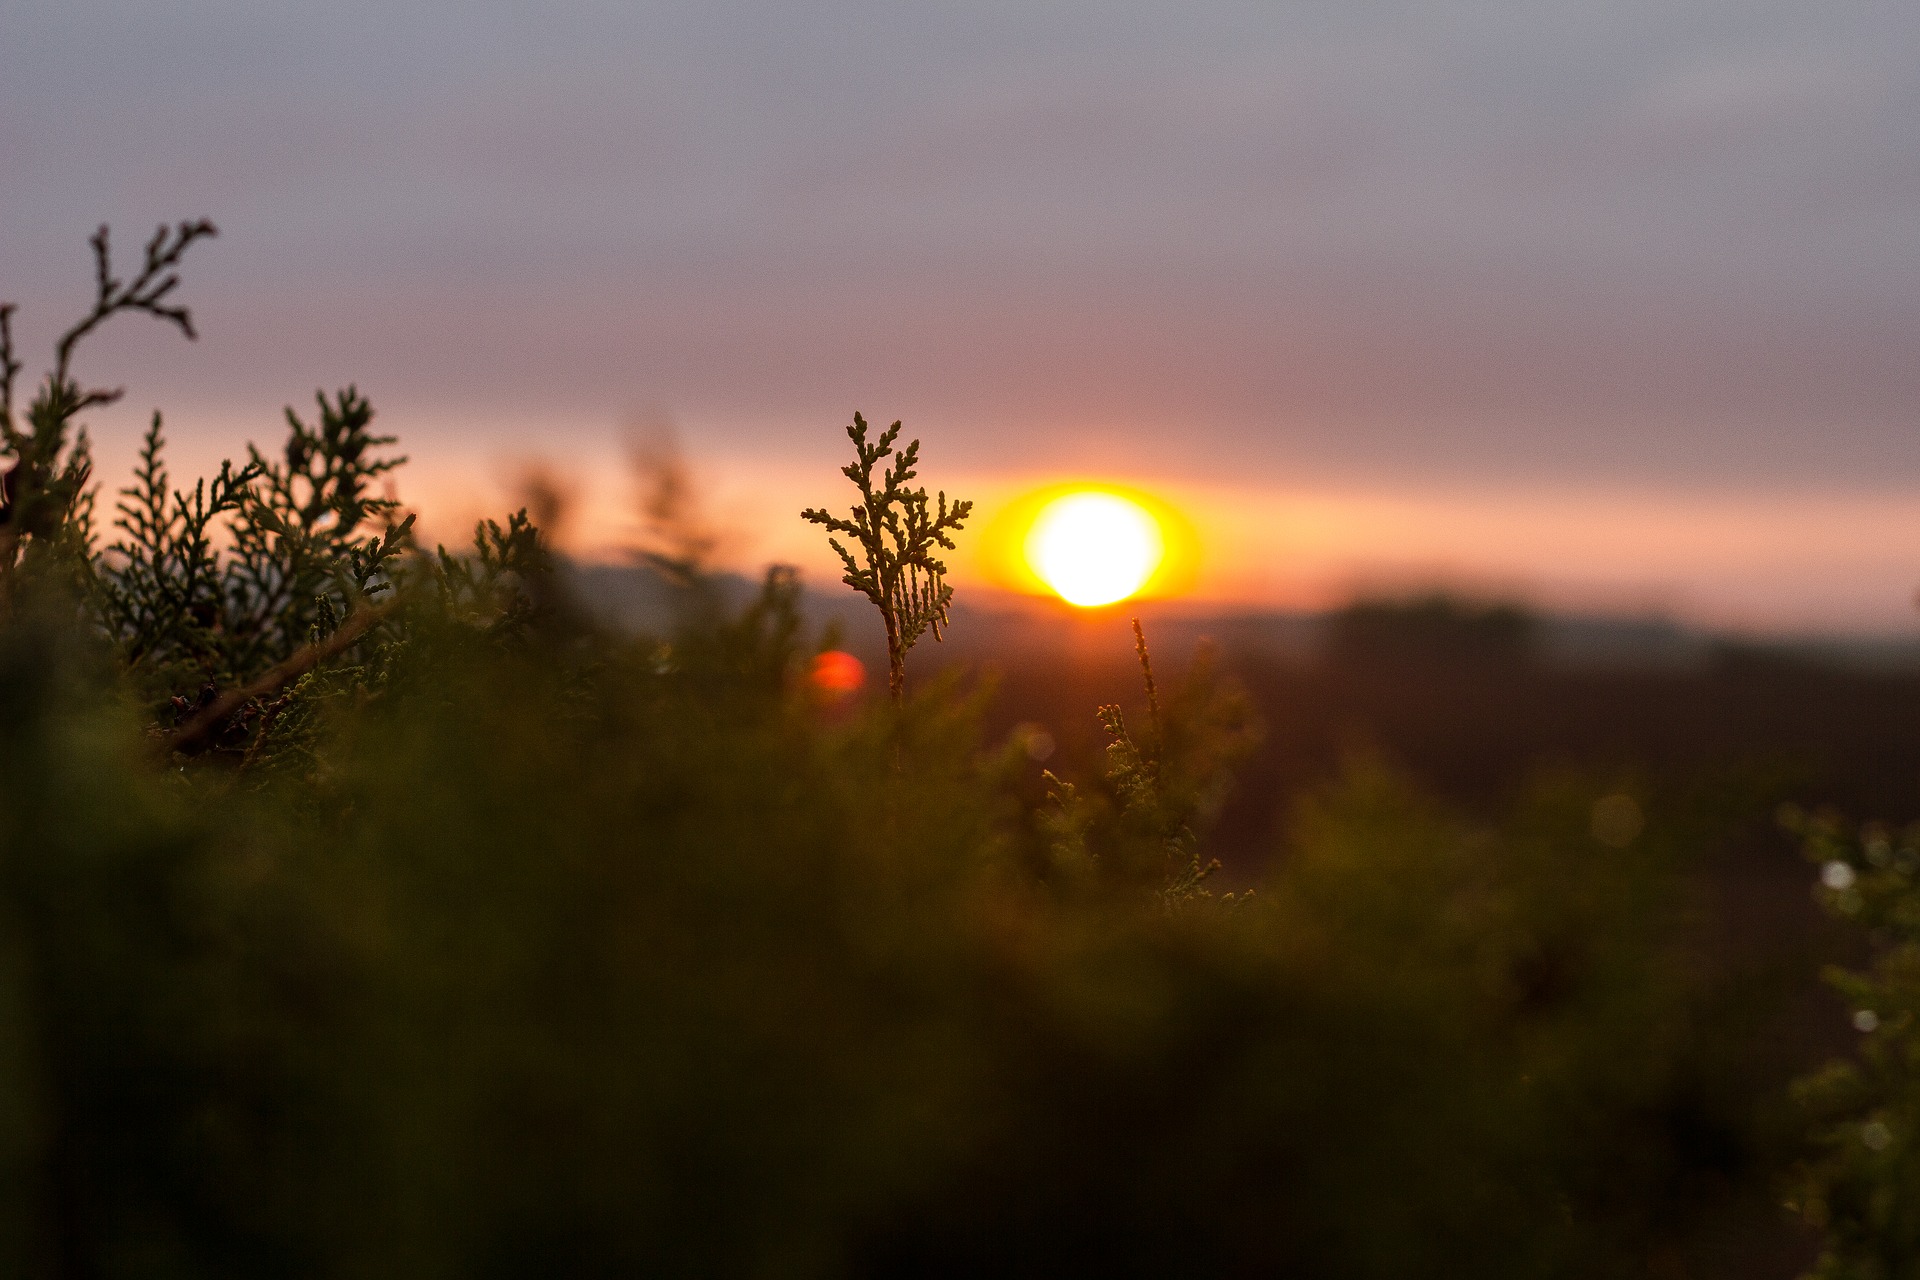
(147, 293)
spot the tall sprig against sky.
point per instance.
(897, 537)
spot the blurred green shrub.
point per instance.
(562, 959)
(1862, 1189)
(1160, 788)
(452, 935)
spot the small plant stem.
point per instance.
(896, 659)
(1153, 694)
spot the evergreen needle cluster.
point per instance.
(44, 499)
(897, 533)
(1161, 788)
(217, 600)
(1860, 1185)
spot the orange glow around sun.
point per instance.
(1094, 548)
(1091, 545)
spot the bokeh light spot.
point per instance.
(837, 674)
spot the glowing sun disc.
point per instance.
(1095, 548)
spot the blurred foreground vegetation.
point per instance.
(369, 909)
(577, 955)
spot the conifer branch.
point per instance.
(192, 736)
(42, 495)
(897, 532)
(148, 293)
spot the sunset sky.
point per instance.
(1609, 305)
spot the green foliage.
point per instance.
(556, 958)
(44, 502)
(219, 602)
(1863, 1188)
(450, 934)
(490, 587)
(1159, 791)
(192, 603)
(159, 588)
(897, 533)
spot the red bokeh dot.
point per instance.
(837, 673)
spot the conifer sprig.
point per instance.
(148, 292)
(43, 496)
(161, 587)
(1162, 789)
(222, 599)
(898, 531)
(1135, 770)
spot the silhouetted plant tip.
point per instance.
(1146, 674)
(1160, 793)
(44, 493)
(189, 601)
(148, 291)
(897, 532)
(678, 541)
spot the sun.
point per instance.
(1095, 548)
